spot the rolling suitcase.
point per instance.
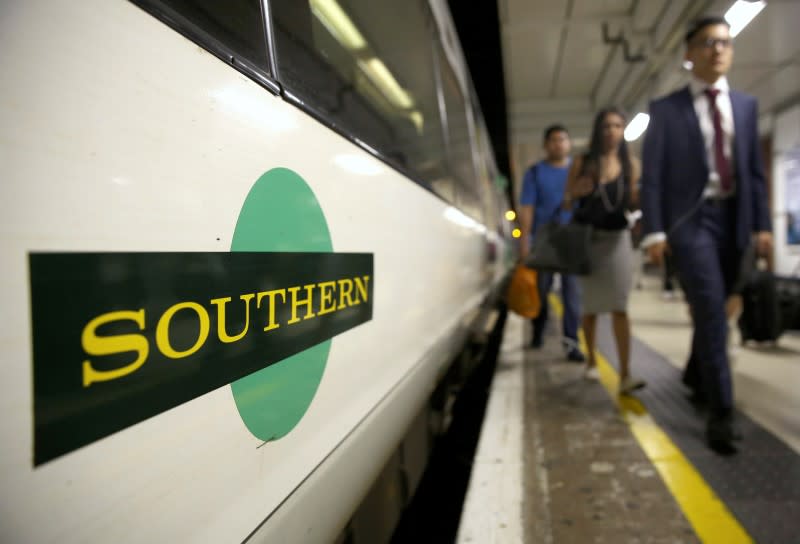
(761, 311)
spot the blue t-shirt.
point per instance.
(543, 188)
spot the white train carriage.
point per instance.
(242, 243)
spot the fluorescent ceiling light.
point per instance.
(637, 126)
(338, 23)
(418, 120)
(383, 78)
(741, 13)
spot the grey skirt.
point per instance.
(607, 288)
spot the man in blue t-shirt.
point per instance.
(542, 193)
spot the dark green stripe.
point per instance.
(68, 290)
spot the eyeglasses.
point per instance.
(712, 43)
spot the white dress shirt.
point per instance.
(702, 107)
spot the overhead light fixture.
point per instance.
(380, 75)
(418, 119)
(333, 17)
(637, 126)
(741, 13)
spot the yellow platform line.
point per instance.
(708, 515)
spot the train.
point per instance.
(247, 246)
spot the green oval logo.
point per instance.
(281, 213)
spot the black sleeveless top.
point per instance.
(604, 208)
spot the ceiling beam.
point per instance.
(561, 46)
(536, 105)
(586, 20)
(668, 42)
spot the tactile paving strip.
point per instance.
(760, 485)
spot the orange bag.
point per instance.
(522, 296)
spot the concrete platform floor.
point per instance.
(559, 461)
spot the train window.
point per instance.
(459, 145)
(236, 25)
(366, 67)
(483, 164)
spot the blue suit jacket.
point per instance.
(675, 169)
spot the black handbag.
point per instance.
(563, 248)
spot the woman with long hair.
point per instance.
(603, 184)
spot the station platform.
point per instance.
(564, 459)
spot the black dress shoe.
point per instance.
(720, 435)
(698, 399)
(575, 355)
(537, 342)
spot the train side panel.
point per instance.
(120, 135)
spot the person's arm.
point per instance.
(527, 203)
(762, 225)
(526, 214)
(578, 185)
(651, 197)
(636, 176)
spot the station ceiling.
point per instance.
(563, 60)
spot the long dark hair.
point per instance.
(592, 157)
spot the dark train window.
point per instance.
(484, 175)
(459, 145)
(366, 67)
(236, 25)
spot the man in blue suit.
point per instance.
(703, 200)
